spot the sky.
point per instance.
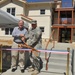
(38, 0)
(44, 0)
(65, 3)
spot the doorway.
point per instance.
(65, 35)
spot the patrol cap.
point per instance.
(34, 22)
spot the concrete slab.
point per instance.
(18, 72)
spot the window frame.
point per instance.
(42, 11)
(10, 30)
(11, 11)
(42, 29)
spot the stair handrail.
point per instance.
(72, 62)
(68, 57)
(47, 59)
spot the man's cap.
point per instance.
(34, 22)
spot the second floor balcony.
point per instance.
(63, 21)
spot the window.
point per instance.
(11, 11)
(66, 17)
(42, 29)
(42, 11)
(8, 31)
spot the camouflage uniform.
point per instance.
(35, 41)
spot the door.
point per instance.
(65, 35)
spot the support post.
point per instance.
(0, 58)
(72, 62)
(67, 67)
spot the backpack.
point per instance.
(37, 63)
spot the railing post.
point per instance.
(72, 62)
(0, 58)
(67, 67)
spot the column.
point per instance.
(58, 17)
(58, 35)
(72, 17)
(71, 34)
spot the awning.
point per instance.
(8, 20)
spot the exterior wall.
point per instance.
(19, 10)
(43, 20)
(2, 33)
(33, 11)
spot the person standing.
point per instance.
(18, 33)
(35, 41)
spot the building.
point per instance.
(63, 23)
(49, 15)
(39, 11)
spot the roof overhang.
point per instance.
(27, 19)
(22, 1)
(3, 1)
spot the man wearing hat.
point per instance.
(35, 41)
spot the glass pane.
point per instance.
(11, 29)
(8, 10)
(64, 20)
(13, 11)
(7, 31)
(42, 11)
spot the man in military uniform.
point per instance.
(35, 41)
(18, 33)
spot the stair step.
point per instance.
(56, 71)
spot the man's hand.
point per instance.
(21, 35)
(23, 38)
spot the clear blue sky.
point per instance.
(65, 3)
(38, 0)
(46, 0)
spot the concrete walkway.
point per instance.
(18, 72)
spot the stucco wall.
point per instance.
(33, 11)
(43, 20)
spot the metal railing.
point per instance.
(72, 62)
(54, 51)
(68, 60)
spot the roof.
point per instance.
(40, 1)
(26, 18)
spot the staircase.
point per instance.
(57, 62)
